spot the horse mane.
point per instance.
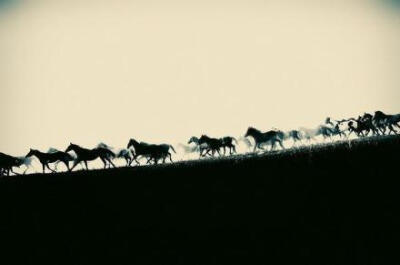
(103, 145)
(205, 136)
(253, 129)
(52, 150)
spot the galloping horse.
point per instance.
(227, 142)
(200, 147)
(295, 135)
(325, 131)
(151, 151)
(46, 158)
(382, 120)
(260, 138)
(86, 155)
(7, 163)
(360, 130)
(125, 154)
(214, 144)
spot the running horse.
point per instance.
(85, 155)
(228, 142)
(214, 144)
(200, 147)
(7, 163)
(260, 138)
(153, 152)
(46, 158)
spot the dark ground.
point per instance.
(328, 205)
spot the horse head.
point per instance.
(251, 131)
(71, 147)
(193, 139)
(31, 153)
(132, 142)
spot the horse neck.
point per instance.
(256, 134)
(135, 144)
(37, 153)
(77, 149)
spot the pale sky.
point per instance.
(161, 71)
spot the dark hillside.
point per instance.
(327, 205)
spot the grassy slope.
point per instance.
(326, 205)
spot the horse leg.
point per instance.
(392, 129)
(104, 162)
(12, 171)
(272, 145)
(44, 169)
(87, 168)
(111, 163)
(67, 165)
(281, 144)
(76, 162)
(47, 165)
(170, 157)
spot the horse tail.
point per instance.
(170, 146)
(234, 139)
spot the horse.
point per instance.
(214, 144)
(295, 135)
(260, 138)
(337, 131)
(334, 127)
(228, 142)
(382, 120)
(200, 147)
(367, 120)
(86, 155)
(151, 151)
(325, 131)
(7, 163)
(125, 154)
(308, 133)
(359, 129)
(46, 158)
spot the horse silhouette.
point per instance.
(125, 154)
(325, 131)
(358, 127)
(200, 147)
(46, 158)
(383, 121)
(85, 155)
(7, 163)
(214, 144)
(54, 150)
(295, 135)
(272, 137)
(228, 142)
(153, 152)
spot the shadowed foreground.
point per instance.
(328, 205)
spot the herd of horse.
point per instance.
(375, 124)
